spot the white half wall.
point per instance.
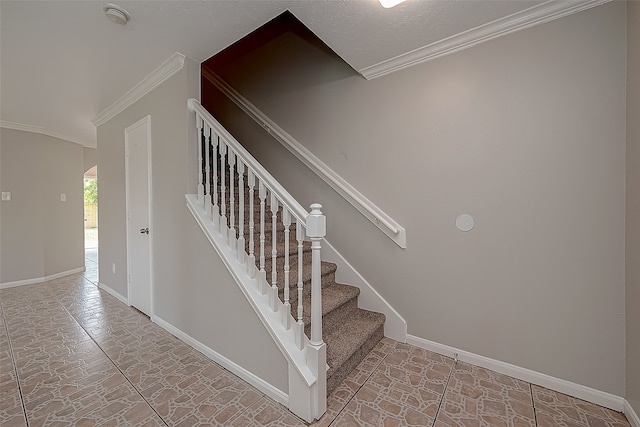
(192, 290)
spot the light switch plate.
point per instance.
(6, 196)
(63, 197)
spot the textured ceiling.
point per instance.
(62, 62)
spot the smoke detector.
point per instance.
(116, 14)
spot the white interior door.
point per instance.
(137, 170)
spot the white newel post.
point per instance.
(200, 137)
(317, 350)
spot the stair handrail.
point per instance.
(313, 223)
(296, 208)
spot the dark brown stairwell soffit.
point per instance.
(283, 23)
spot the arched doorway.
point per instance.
(91, 224)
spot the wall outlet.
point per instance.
(6, 196)
(113, 268)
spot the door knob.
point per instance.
(144, 230)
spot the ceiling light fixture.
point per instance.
(116, 14)
(390, 3)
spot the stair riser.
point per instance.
(247, 208)
(280, 242)
(332, 316)
(293, 263)
(333, 297)
(268, 226)
(326, 279)
(340, 374)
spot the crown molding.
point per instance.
(167, 69)
(38, 129)
(20, 126)
(544, 12)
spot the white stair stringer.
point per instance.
(302, 381)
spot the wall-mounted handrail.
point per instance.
(384, 222)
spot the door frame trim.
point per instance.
(145, 121)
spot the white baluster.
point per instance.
(241, 242)
(274, 249)
(231, 159)
(286, 221)
(200, 185)
(223, 202)
(300, 332)
(216, 209)
(251, 264)
(207, 188)
(262, 194)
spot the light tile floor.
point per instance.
(72, 355)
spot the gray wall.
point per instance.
(633, 205)
(41, 235)
(90, 158)
(193, 290)
(526, 133)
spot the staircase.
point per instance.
(349, 332)
(272, 247)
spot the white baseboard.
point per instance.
(266, 388)
(40, 279)
(631, 415)
(113, 293)
(592, 395)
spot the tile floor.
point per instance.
(72, 355)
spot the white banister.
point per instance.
(251, 265)
(207, 187)
(274, 251)
(306, 355)
(286, 221)
(262, 194)
(223, 203)
(199, 123)
(216, 210)
(297, 210)
(231, 159)
(241, 249)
